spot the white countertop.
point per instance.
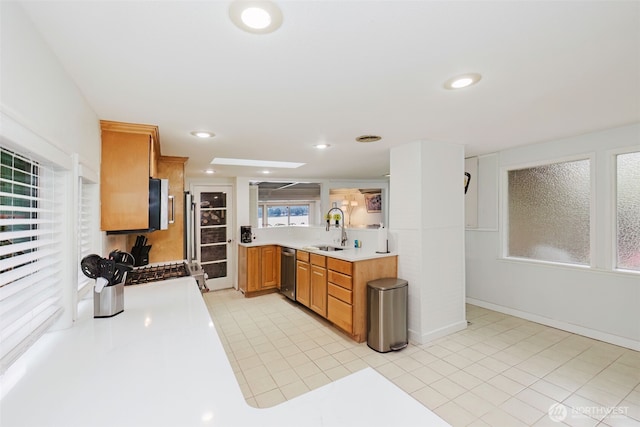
(347, 254)
(161, 363)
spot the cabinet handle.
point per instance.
(172, 199)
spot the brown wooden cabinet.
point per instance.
(318, 285)
(168, 245)
(269, 267)
(303, 278)
(337, 289)
(258, 269)
(129, 158)
(340, 294)
(347, 291)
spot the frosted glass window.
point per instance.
(549, 212)
(628, 211)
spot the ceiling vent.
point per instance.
(368, 138)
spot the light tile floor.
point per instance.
(500, 371)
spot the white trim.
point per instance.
(87, 173)
(566, 266)
(612, 163)
(15, 136)
(558, 324)
(594, 218)
(438, 333)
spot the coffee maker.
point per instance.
(245, 234)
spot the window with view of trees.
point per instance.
(29, 253)
(278, 215)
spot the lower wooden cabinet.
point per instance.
(347, 291)
(303, 283)
(269, 267)
(318, 302)
(340, 313)
(258, 269)
(340, 295)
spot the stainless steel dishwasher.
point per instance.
(288, 273)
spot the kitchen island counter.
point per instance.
(347, 254)
(161, 363)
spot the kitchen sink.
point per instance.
(329, 248)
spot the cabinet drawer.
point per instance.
(340, 314)
(319, 260)
(344, 267)
(340, 279)
(302, 256)
(341, 293)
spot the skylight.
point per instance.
(255, 163)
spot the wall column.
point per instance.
(427, 217)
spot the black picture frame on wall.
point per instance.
(373, 202)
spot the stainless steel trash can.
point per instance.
(387, 314)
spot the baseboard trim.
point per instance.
(438, 333)
(558, 324)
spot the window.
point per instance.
(30, 265)
(279, 215)
(87, 224)
(549, 212)
(628, 211)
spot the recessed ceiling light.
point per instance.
(255, 16)
(462, 81)
(322, 146)
(209, 171)
(266, 172)
(203, 134)
(255, 163)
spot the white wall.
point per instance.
(36, 91)
(39, 97)
(427, 220)
(596, 301)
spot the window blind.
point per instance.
(30, 239)
(86, 201)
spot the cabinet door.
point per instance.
(253, 269)
(318, 301)
(269, 264)
(124, 181)
(303, 278)
(340, 314)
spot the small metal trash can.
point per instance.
(387, 314)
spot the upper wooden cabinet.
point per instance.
(129, 158)
(168, 245)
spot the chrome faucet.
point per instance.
(343, 236)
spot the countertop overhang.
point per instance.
(161, 363)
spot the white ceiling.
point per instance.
(339, 69)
